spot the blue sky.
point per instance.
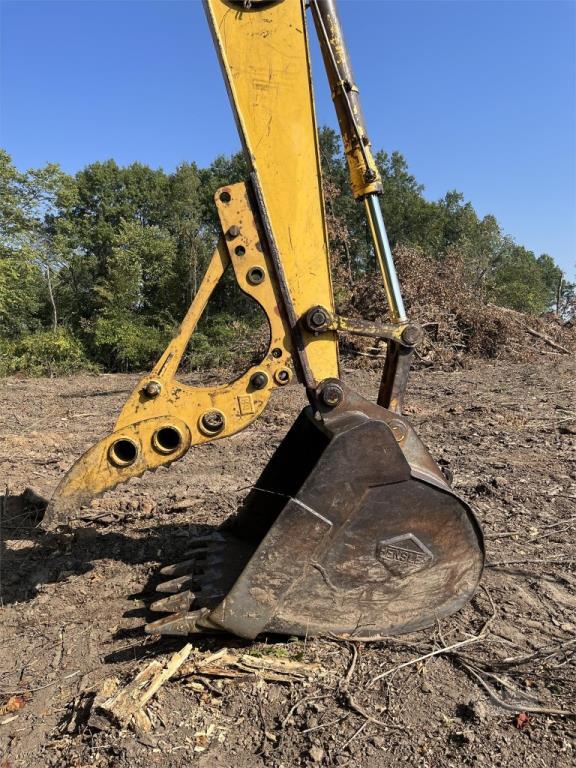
(479, 96)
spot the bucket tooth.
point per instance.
(177, 585)
(181, 601)
(204, 542)
(192, 566)
(182, 568)
(181, 623)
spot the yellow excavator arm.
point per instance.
(351, 528)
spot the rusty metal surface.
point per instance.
(416, 454)
(406, 334)
(319, 320)
(362, 538)
(395, 376)
(364, 174)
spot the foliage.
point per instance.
(224, 340)
(52, 353)
(523, 282)
(25, 201)
(126, 343)
(117, 253)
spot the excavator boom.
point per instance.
(351, 528)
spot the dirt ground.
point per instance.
(72, 612)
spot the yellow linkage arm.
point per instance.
(163, 417)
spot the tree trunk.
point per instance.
(559, 295)
(52, 301)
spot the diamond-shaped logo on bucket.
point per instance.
(406, 549)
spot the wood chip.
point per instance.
(127, 705)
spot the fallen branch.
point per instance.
(223, 663)
(326, 725)
(356, 733)
(347, 696)
(355, 707)
(546, 339)
(23, 691)
(352, 666)
(506, 534)
(517, 315)
(437, 652)
(530, 560)
(547, 650)
(517, 706)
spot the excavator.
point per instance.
(351, 530)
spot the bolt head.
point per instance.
(153, 388)
(411, 334)
(318, 318)
(332, 395)
(259, 380)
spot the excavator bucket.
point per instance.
(344, 533)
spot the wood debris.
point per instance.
(225, 663)
(127, 705)
(84, 708)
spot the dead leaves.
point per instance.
(522, 720)
(13, 704)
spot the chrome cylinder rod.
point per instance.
(385, 260)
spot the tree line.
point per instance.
(97, 269)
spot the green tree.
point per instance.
(27, 264)
(553, 278)
(520, 282)
(187, 222)
(115, 255)
(135, 296)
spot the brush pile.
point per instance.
(459, 325)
